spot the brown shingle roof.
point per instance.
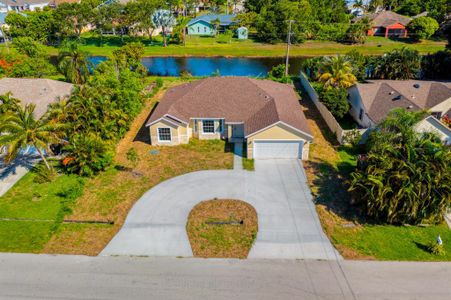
(41, 92)
(381, 96)
(256, 103)
(386, 18)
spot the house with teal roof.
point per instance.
(205, 24)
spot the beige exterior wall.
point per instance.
(179, 134)
(278, 132)
(442, 107)
(431, 124)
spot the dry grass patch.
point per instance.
(110, 195)
(222, 229)
(327, 182)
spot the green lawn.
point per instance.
(386, 242)
(248, 164)
(351, 233)
(209, 46)
(40, 204)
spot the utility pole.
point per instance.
(288, 47)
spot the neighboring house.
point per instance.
(2, 24)
(55, 3)
(20, 5)
(371, 101)
(387, 23)
(40, 92)
(264, 114)
(204, 25)
(3, 7)
(431, 124)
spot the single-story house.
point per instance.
(371, 101)
(3, 7)
(204, 25)
(38, 91)
(20, 5)
(2, 24)
(387, 23)
(263, 114)
(55, 3)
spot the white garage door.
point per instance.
(278, 149)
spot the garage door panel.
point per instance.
(278, 149)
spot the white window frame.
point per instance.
(158, 135)
(203, 125)
(221, 126)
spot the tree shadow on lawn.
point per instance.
(329, 180)
(143, 134)
(423, 247)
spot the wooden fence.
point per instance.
(330, 120)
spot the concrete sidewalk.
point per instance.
(10, 174)
(27, 276)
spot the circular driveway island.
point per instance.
(287, 220)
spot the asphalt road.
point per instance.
(25, 276)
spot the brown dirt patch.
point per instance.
(210, 234)
(326, 182)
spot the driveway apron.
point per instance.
(288, 224)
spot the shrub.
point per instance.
(436, 249)
(277, 73)
(28, 46)
(356, 33)
(87, 154)
(336, 100)
(132, 156)
(437, 65)
(398, 64)
(406, 175)
(422, 28)
(44, 175)
(159, 82)
(225, 37)
(352, 137)
(332, 32)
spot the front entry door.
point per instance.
(238, 131)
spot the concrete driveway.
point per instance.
(288, 224)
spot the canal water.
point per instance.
(206, 66)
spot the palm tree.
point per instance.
(336, 71)
(399, 64)
(406, 174)
(19, 129)
(216, 23)
(163, 18)
(74, 63)
(358, 4)
(8, 103)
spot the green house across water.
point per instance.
(205, 24)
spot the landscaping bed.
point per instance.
(222, 229)
(355, 236)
